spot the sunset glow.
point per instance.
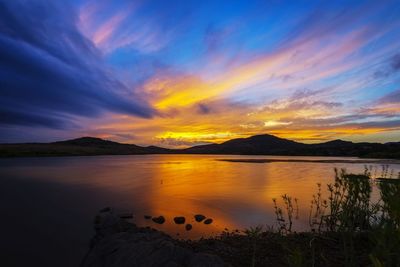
(185, 73)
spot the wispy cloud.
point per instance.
(184, 72)
(105, 31)
(50, 73)
(125, 27)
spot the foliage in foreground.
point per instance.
(347, 227)
(363, 232)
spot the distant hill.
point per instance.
(87, 141)
(255, 145)
(271, 145)
(84, 146)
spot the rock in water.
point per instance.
(188, 227)
(199, 217)
(208, 221)
(159, 219)
(179, 220)
(119, 243)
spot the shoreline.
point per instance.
(347, 159)
(361, 161)
(347, 229)
(118, 241)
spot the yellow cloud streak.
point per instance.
(176, 91)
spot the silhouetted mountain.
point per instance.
(272, 145)
(255, 145)
(87, 141)
(84, 146)
(336, 143)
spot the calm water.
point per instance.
(48, 204)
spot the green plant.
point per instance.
(295, 257)
(386, 235)
(285, 222)
(348, 207)
(347, 211)
(254, 234)
(317, 211)
(349, 214)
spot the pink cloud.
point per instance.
(102, 35)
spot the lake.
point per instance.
(48, 204)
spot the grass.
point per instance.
(349, 215)
(347, 228)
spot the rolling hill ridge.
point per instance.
(255, 145)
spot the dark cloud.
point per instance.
(306, 93)
(381, 74)
(17, 117)
(393, 97)
(301, 99)
(50, 73)
(203, 108)
(389, 69)
(388, 125)
(337, 120)
(345, 122)
(396, 62)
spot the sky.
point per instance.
(182, 73)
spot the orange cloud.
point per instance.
(199, 107)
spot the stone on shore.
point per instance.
(159, 219)
(208, 221)
(179, 220)
(199, 217)
(119, 243)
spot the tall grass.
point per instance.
(349, 215)
(292, 212)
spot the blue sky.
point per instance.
(180, 73)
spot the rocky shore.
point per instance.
(120, 243)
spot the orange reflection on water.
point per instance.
(235, 195)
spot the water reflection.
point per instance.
(50, 202)
(234, 194)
